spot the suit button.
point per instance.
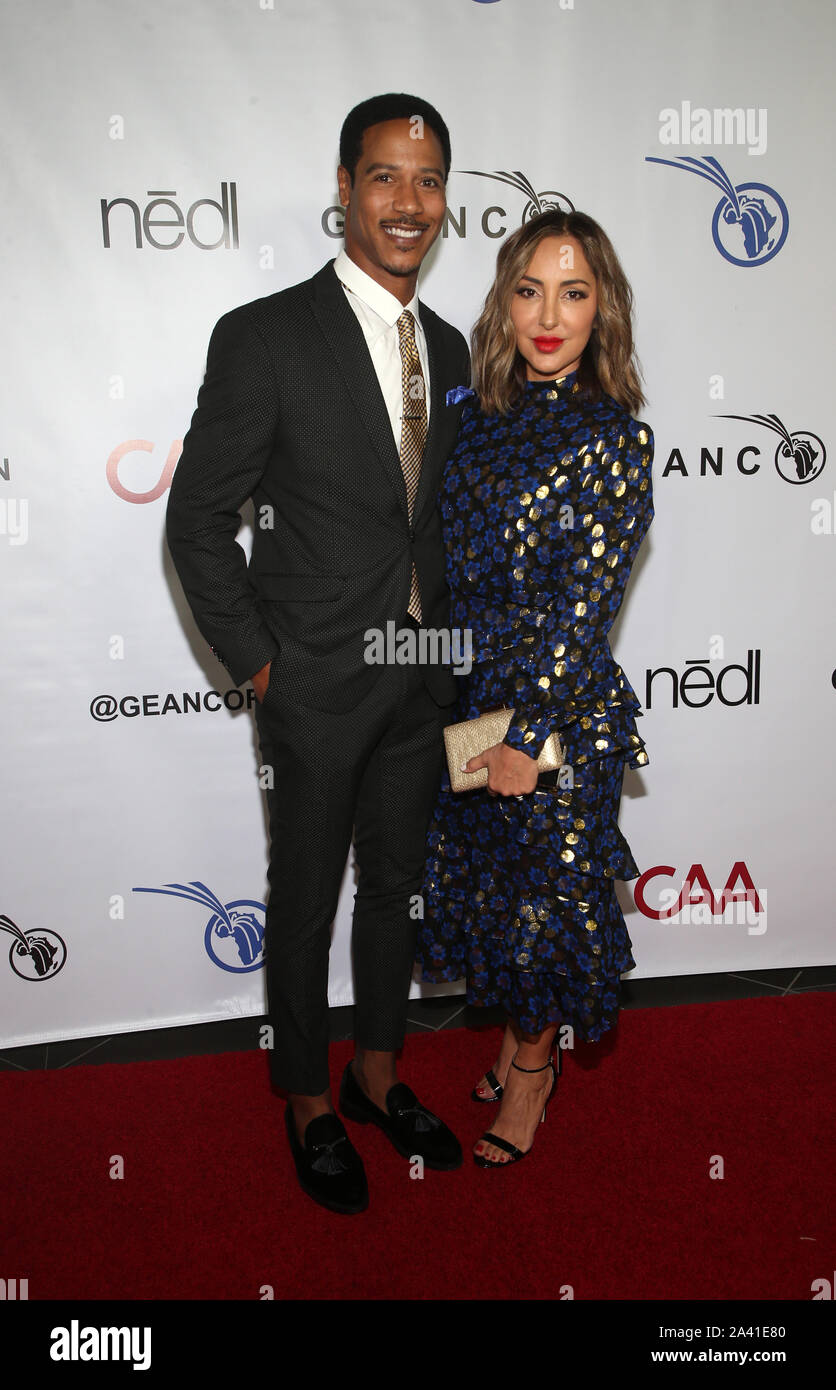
(412, 533)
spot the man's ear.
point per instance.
(344, 185)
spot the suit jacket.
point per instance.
(291, 414)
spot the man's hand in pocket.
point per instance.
(260, 681)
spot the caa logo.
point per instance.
(750, 222)
(130, 446)
(741, 905)
(234, 934)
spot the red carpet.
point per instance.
(615, 1199)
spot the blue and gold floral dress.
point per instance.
(544, 511)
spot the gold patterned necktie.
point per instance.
(413, 430)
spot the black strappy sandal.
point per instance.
(516, 1154)
(496, 1087)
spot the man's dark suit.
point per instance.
(291, 414)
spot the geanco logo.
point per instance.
(148, 224)
(106, 708)
(750, 222)
(493, 220)
(799, 457)
(34, 955)
(234, 933)
(534, 204)
(695, 902)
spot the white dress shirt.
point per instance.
(378, 312)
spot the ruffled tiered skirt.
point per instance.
(519, 895)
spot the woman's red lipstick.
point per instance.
(547, 344)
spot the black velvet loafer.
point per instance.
(328, 1166)
(413, 1130)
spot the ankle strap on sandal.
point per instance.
(549, 1063)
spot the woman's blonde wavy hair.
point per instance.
(608, 362)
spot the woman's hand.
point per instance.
(510, 772)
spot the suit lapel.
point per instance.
(345, 337)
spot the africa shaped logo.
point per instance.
(537, 202)
(234, 933)
(800, 457)
(750, 222)
(34, 955)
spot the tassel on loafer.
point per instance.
(328, 1166)
(412, 1129)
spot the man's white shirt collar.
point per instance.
(384, 304)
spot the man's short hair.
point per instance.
(393, 106)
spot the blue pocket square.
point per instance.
(459, 393)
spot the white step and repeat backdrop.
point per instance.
(163, 162)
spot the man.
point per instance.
(326, 404)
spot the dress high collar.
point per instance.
(561, 385)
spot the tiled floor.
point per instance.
(429, 1015)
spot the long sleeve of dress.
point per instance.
(612, 508)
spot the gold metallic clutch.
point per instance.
(466, 740)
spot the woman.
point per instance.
(545, 502)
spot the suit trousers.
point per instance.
(372, 772)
